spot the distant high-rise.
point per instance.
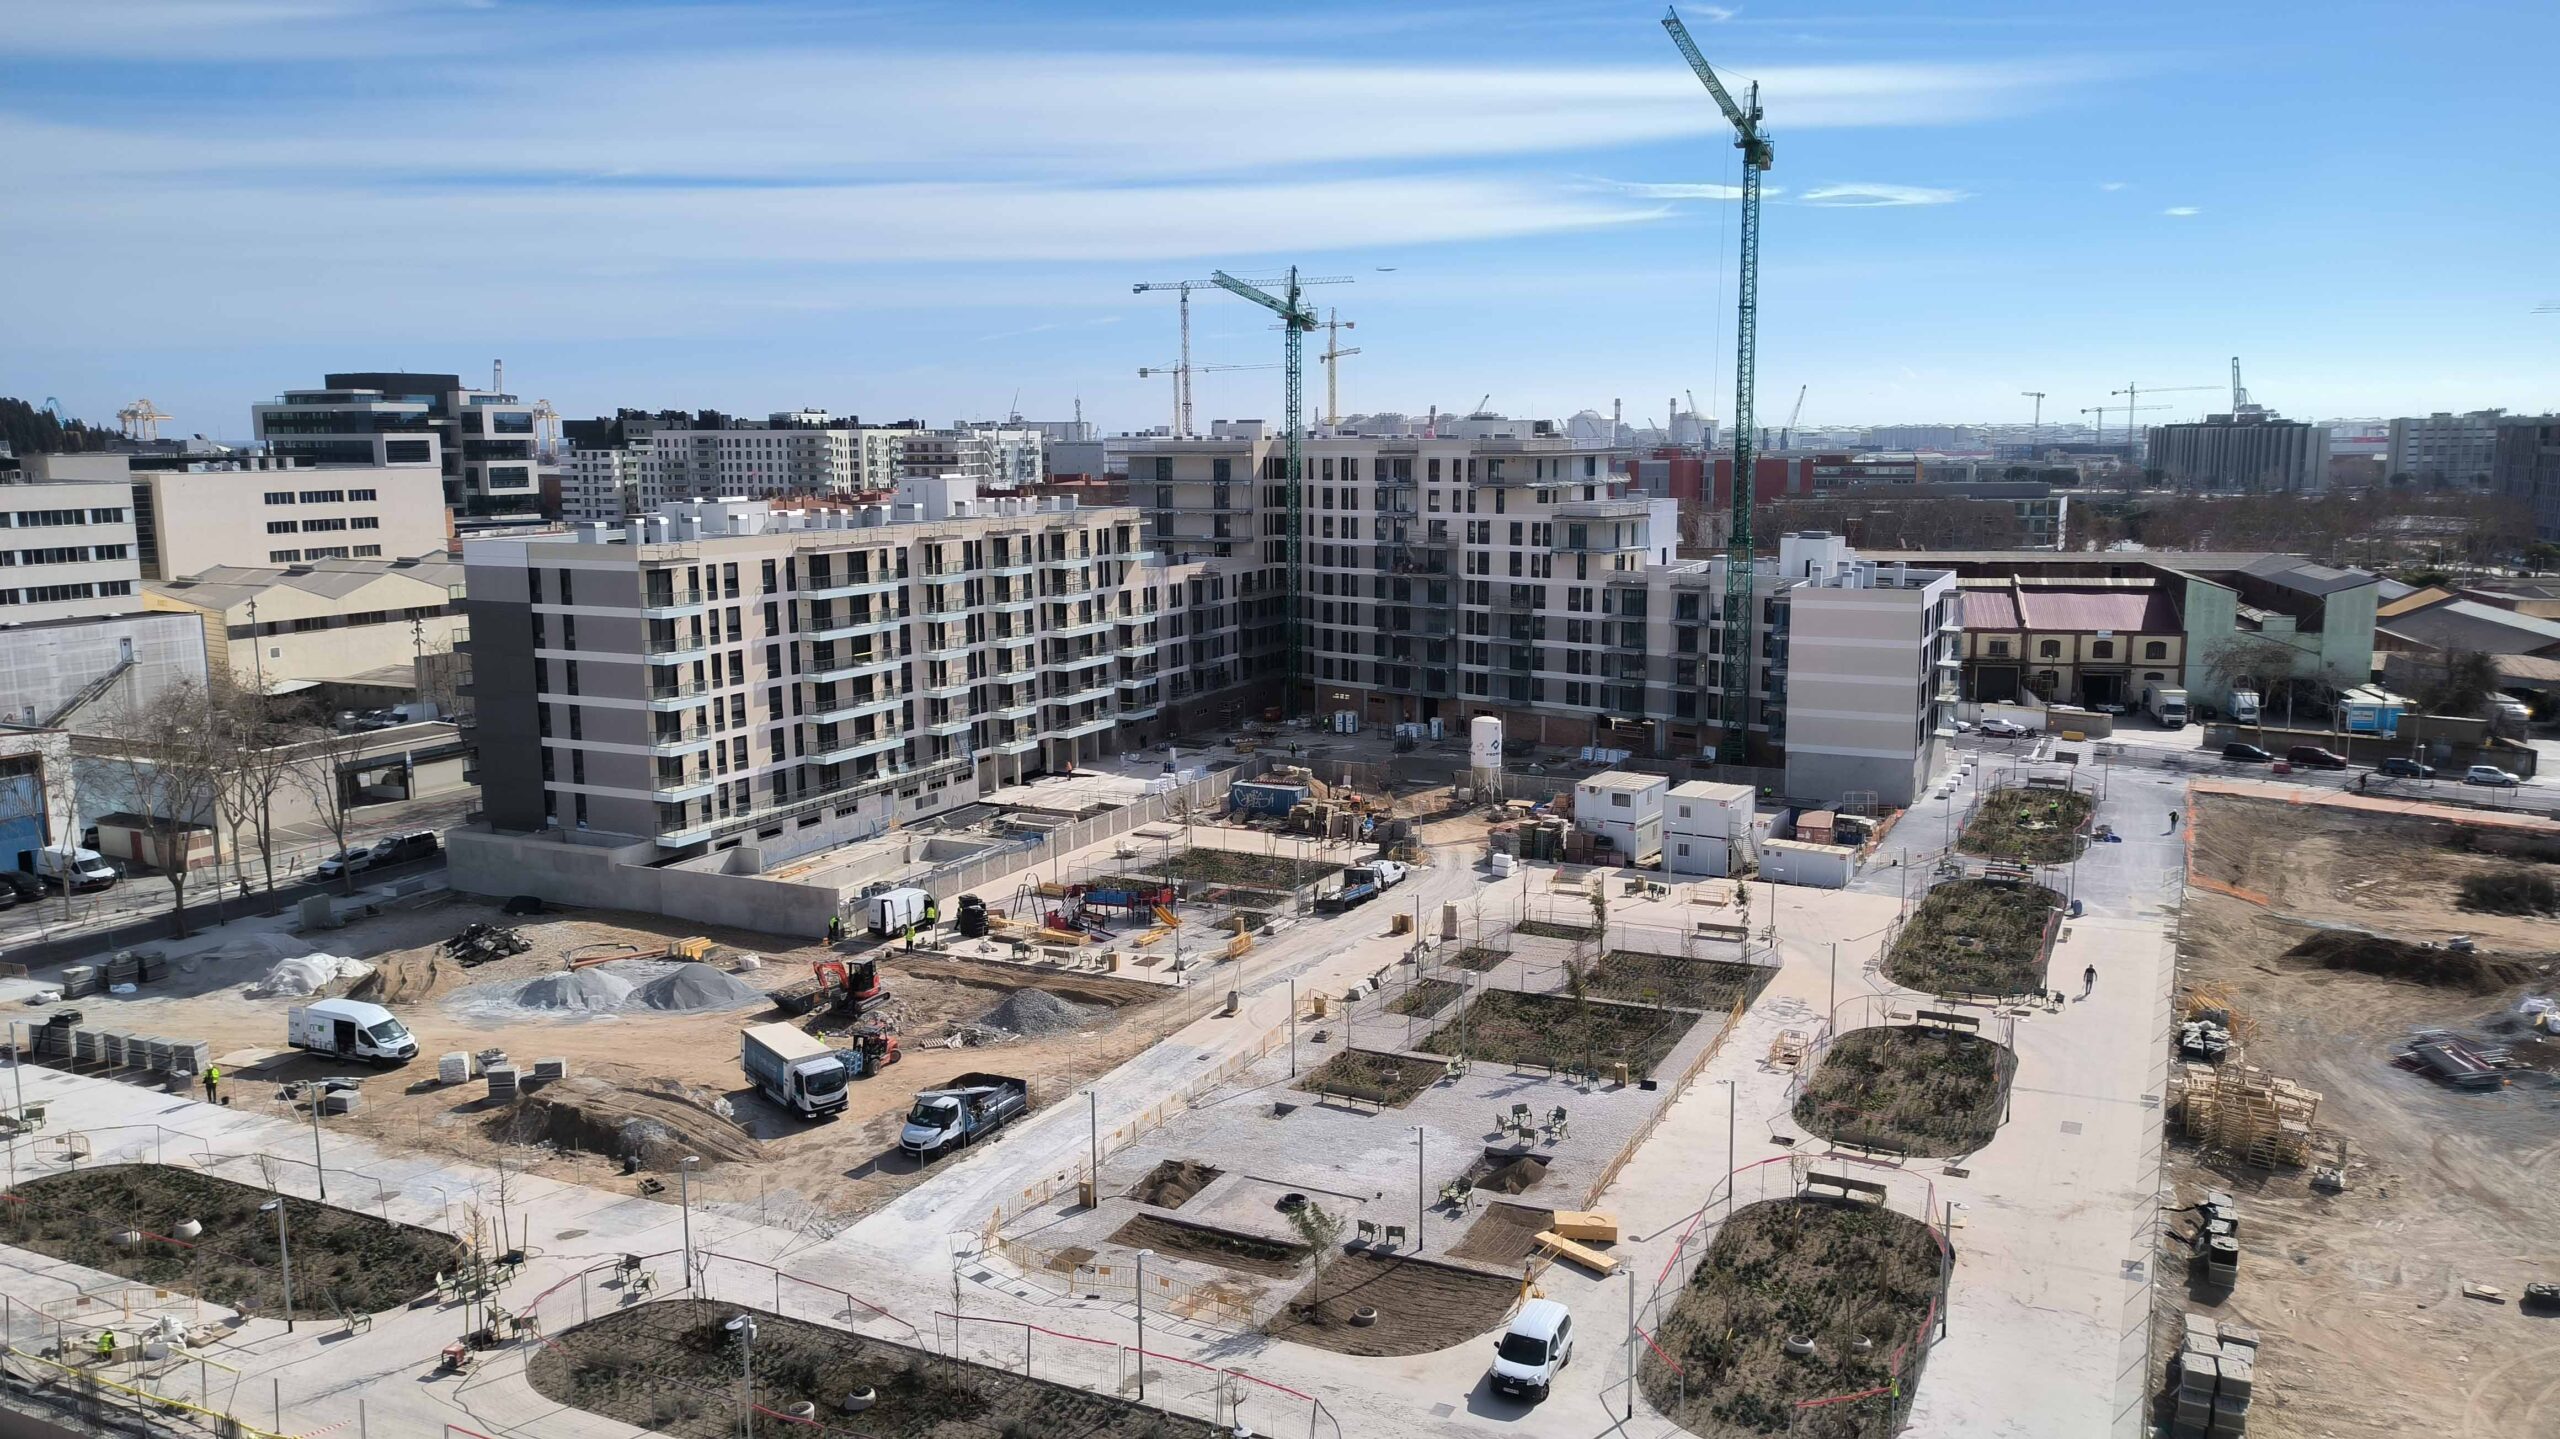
(2255, 452)
(2446, 448)
(2527, 468)
(481, 440)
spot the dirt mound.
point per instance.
(2426, 964)
(401, 979)
(695, 989)
(1037, 1014)
(582, 991)
(2516, 891)
(1171, 1184)
(1514, 1177)
(657, 1126)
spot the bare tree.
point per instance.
(2249, 657)
(263, 762)
(318, 771)
(167, 755)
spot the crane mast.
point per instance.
(1296, 320)
(1732, 744)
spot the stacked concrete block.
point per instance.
(190, 1056)
(340, 1101)
(2216, 1378)
(79, 980)
(454, 1068)
(546, 1070)
(502, 1082)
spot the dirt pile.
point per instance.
(401, 979)
(580, 991)
(1171, 1184)
(2428, 964)
(696, 989)
(657, 1126)
(1514, 1177)
(1037, 1014)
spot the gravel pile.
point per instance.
(582, 991)
(1036, 1014)
(696, 988)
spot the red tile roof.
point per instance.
(2124, 611)
(1990, 610)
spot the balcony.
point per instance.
(825, 625)
(1021, 599)
(854, 706)
(674, 789)
(1067, 630)
(1091, 724)
(955, 723)
(1018, 565)
(668, 604)
(1130, 649)
(859, 582)
(1020, 709)
(1019, 740)
(852, 665)
(682, 692)
(688, 737)
(1622, 509)
(674, 649)
(953, 684)
(855, 746)
(705, 827)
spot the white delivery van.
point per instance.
(893, 910)
(349, 1029)
(1538, 1343)
(74, 868)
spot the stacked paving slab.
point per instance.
(2217, 1373)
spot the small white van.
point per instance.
(1538, 1343)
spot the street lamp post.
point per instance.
(1093, 1140)
(1631, 1344)
(1419, 1185)
(318, 1168)
(1143, 1256)
(684, 1192)
(744, 1326)
(284, 1252)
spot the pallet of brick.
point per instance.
(155, 1053)
(190, 1056)
(546, 1070)
(340, 1101)
(502, 1081)
(123, 969)
(79, 980)
(111, 1049)
(2230, 1417)
(155, 965)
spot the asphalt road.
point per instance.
(2533, 796)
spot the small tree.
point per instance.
(1322, 1234)
(318, 772)
(2459, 683)
(263, 763)
(169, 757)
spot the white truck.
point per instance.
(73, 868)
(1388, 873)
(893, 910)
(349, 1029)
(2244, 706)
(2167, 704)
(793, 1068)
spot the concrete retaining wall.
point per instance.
(594, 877)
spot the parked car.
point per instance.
(395, 848)
(2489, 774)
(2005, 729)
(2245, 754)
(1963, 726)
(2312, 756)
(353, 861)
(21, 885)
(8, 897)
(1538, 1343)
(2401, 767)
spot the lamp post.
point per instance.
(284, 1251)
(317, 1167)
(1093, 1140)
(744, 1326)
(684, 1192)
(1631, 1344)
(1143, 1256)
(1419, 1187)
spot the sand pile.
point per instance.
(1036, 1013)
(1173, 1182)
(582, 991)
(306, 975)
(696, 988)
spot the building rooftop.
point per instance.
(1622, 779)
(225, 586)
(2471, 625)
(2120, 610)
(2295, 573)
(1708, 789)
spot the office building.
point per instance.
(2446, 449)
(67, 546)
(278, 629)
(2253, 452)
(2526, 467)
(192, 515)
(481, 441)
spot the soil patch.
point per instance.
(410, 978)
(1507, 1173)
(1551, 1032)
(1093, 989)
(670, 1367)
(658, 1126)
(1171, 1184)
(1426, 997)
(1480, 958)
(1505, 1234)
(1975, 936)
(2514, 891)
(343, 1261)
(1676, 979)
(1249, 1253)
(1555, 929)
(2428, 964)
(1246, 870)
(1922, 1091)
(1422, 1307)
(1391, 1080)
(1833, 1273)
(2028, 826)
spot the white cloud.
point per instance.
(2111, 186)
(1878, 196)
(2182, 211)
(1654, 190)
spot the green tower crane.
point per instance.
(1753, 142)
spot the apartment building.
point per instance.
(2445, 448)
(2527, 467)
(2253, 451)
(733, 671)
(193, 516)
(66, 540)
(481, 441)
(1521, 577)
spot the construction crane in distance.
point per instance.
(1787, 436)
(1732, 743)
(1296, 322)
(141, 420)
(2239, 392)
(1182, 375)
(1182, 370)
(2101, 412)
(2035, 424)
(2133, 392)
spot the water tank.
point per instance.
(1484, 743)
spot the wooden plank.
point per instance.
(1585, 1224)
(1563, 1248)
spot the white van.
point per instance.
(74, 868)
(1538, 1343)
(893, 910)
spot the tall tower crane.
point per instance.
(2036, 424)
(2100, 424)
(2239, 392)
(141, 420)
(1182, 370)
(1182, 375)
(1332, 353)
(1739, 608)
(1296, 321)
(1787, 436)
(2133, 392)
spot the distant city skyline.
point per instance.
(689, 205)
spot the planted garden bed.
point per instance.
(1391, 1080)
(1923, 1091)
(2030, 826)
(1246, 870)
(1554, 1032)
(1676, 979)
(1975, 936)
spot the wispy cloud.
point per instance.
(1675, 190)
(2111, 186)
(1849, 197)
(2182, 211)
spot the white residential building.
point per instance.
(266, 511)
(481, 441)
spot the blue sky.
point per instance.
(925, 209)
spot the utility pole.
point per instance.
(1740, 610)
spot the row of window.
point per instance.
(319, 497)
(287, 527)
(42, 519)
(2098, 649)
(57, 594)
(325, 552)
(65, 555)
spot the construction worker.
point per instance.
(835, 929)
(212, 1083)
(911, 934)
(2088, 981)
(106, 1346)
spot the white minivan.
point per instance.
(1538, 1343)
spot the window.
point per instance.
(2155, 650)
(279, 497)
(2048, 649)
(2102, 649)
(283, 557)
(1620, 801)
(282, 527)
(364, 522)
(1997, 649)
(354, 495)
(368, 552)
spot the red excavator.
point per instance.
(852, 988)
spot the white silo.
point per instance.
(1484, 756)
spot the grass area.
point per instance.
(1928, 1092)
(670, 1367)
(1676, 979)
(1427, 997)
(1975, 936)
(1834, 1273)
(342, 1260)
(1552, 1032)
(1247, 870)
(1555, 929)
(1391, 1080)
(2030, 826)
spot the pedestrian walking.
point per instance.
(2088, 981)
(212, 1083)
(2173, 822)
